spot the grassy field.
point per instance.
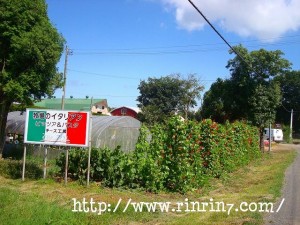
(50, 202)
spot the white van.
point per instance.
(276, 135)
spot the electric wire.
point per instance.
(212, 26)
(116, 76)
(236, 52)
(288, 110)
(184, 49)
(105, 75)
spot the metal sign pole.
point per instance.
(45, 162)
(90, 146)
(66, 166)
(89, 166)
(24, 162)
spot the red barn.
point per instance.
(125, 111)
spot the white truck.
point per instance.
(276, 134)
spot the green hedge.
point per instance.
(181, 156)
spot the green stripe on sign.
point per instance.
(36, 126)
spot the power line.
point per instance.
(105, 75)
(140, 50)
(121, 52)
(190, 49)
(101, 95)
(114, 76)
(287, 109)
(236, 52)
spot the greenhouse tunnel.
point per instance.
(107, 131)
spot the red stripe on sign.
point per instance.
(77, 128)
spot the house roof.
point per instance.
(70, 103)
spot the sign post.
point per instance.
(45, 161)
(66, 166)
(90, 148)
(24, 162)
(56, 127)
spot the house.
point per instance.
(125, 111)
(98, 105)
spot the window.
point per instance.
(123, 111)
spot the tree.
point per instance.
(191, 92)
(215, 101)
(161, 97)
(249, 94)
(256, 68)
(30, 47)
(290, 88)
(264, 102)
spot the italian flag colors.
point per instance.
(54, 127)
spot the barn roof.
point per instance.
(135, 109)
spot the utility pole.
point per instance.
(291, 126)
(270, 137)
(67, 53)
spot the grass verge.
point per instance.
(49, 202)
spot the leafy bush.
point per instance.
(112, 167)
(181, 156)
(186, 154)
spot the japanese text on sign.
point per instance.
(57, 127)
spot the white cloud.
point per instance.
(263, 19)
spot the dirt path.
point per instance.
(289, 213)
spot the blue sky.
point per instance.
(116, 44)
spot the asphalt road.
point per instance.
(289, 213)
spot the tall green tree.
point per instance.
(217, 100)
(30, 47)
(191, 91)
(290, 89)
(161, 97)
(249, 93)
(264, 102)
(256, 68)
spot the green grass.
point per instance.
(20, 208)
(49, 202)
